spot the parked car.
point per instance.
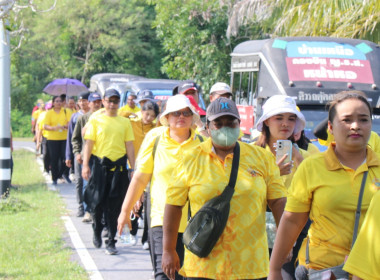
(100, 82)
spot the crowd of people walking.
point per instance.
(164, 163)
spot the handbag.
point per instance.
(207, 225)
(337, 272)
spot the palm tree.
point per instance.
(335, 18)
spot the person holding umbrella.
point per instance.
(56, 122)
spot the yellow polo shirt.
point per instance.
(329, 191)
(126, 108)
(364, 258)
(53, 119)
(109, 135)
(242, 250)
(167, 156)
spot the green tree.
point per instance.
(193, 34)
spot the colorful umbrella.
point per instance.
(70, 87)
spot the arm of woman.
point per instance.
(170, 259)
(290, 227)
(135, 190)
(277, 206)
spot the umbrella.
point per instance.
(70, 87)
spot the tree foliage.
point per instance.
(81, 38)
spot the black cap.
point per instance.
(222, 107)
(111, 92)
(84, 95)
(144, 95)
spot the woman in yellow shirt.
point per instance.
(55, 123)
(155, 164)
(281, 120)
(326, 188)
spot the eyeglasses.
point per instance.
(114, 101)
(183, 113)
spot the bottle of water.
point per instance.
(125, 236)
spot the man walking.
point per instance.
(109, 142)
(77, 141)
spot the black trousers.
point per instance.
(157, 250)
(56, 149)
(110, 206)
(45, 153)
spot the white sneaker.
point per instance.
(145, 246)
(133, 240)
(140, 223)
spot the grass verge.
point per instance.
(31, 243)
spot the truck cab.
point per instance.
(309, 69)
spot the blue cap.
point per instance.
(94, 96)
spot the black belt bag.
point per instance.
(207, 225)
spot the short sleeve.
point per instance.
(90, 130)
(129, 136)
(299, 195)
(274, 182)
(178, 189)
(144, 160)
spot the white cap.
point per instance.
(220, 88)
(176, 103)
(279, 104)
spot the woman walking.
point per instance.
(55, 123)
(326, 188)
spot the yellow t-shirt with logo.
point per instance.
(364, 258)
(53, 118)
(109, 135)
(166, 158)
(329, 191)
(242, 250)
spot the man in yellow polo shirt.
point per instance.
(242, 250)
(131, 107)
(111, 137)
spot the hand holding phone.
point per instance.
(284, 149)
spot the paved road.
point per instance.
(132, 262)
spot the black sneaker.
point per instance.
(55, 183)
(67, 179)
(97, 240)
(111, 249)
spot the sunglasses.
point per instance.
(179, 113)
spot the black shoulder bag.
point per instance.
(207, 225)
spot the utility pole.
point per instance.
(5, 104)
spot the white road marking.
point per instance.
(81, 249)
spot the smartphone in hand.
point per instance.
(284, 147)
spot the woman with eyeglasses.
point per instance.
(55, 122)
(159, 154)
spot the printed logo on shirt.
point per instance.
(252, 172)
(375, 184)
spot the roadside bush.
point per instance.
(21, 125)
